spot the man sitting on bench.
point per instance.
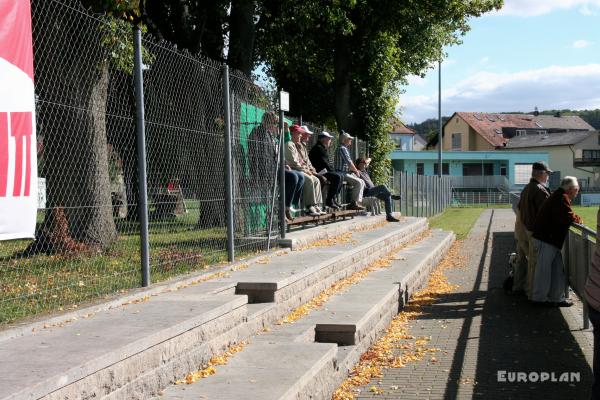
(319, 158)
(345, 166)
(379, 191)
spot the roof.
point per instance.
(399, 128)
(567, 122)
(552, 139)
(489, 126)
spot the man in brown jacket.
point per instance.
(592, 297)
(549, 232)
(532, 197)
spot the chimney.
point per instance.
(557, 114)
(536, 112)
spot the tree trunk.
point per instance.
(241, 35)
(342, 65)
(72, 81)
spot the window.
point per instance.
(522, 173)
(445, 169)
(456, 141)
(541, 132)
(591, 155)
(420, 169)
(478, 169)
(521, 132)
(503, 170)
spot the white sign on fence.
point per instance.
(590, 199)
(18, 146)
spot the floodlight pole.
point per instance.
(440, 118)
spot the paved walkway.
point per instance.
(481, 330)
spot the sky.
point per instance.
(531, 53)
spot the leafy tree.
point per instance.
(347, 58)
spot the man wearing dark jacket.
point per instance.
(380, 191)
(532, 197)
(319, 158)
(549, 231)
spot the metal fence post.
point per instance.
(282, 225)
(228, 164)
(141, 150)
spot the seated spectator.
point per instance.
(345, 166)
(294, 182)
(312, 185)
(549, 232)
(319, 158)
(379, 191)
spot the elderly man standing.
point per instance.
(532, 197)
(319, 157)
(549, 232)
(344, 165)
(312, 186)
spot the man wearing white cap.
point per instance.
(344, 164)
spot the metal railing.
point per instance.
(577, 252)
(422, 196)
(479, 199)
(481, 182)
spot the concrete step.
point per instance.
(268, 368)
(267, 372)
(351, 316)
(285, 279)
(98, 355)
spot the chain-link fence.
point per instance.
(88, 236)
(422, 196)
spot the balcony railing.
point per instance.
(480, 182)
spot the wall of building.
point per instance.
(560, 158)
(457, 125)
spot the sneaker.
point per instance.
(338, 205)
(331, 204)
(391, 218)
(354, 206)
(288, 214)
(312, 211)
(320, 211)
(396, 197)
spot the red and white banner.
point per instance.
(18, 150)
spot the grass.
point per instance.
(46, 283)
(588, 214)
(458, 220)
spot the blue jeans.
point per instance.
(382, 193)
(294, 182)
(595, 318)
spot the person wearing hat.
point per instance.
(303, 153)
(379, 191)
(530, 202)
(312, 186)
(549, 232)
(319, 158)
(344, 165)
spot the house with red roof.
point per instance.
(405, 138)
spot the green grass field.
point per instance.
(458, 220)
(588, 214)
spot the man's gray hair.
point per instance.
(569, 182)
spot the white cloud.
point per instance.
(580, 44)
(555, 87)
(484, 60)
(416, 80)
(531, 8)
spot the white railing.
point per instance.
(491, 181)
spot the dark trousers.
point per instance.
(382, 193)
(595, 318)
(336, 181)
(294, 182)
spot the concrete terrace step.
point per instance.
(285, 276)
(351, 316)
(100, 354)
(356, 316)
(267, 372)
